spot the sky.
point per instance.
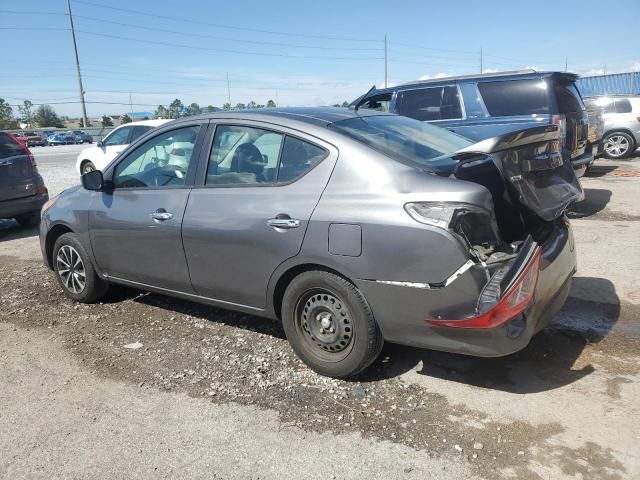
(137, 54)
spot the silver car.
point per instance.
(352, 228)
(621, 123)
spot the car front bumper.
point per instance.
(401, 311)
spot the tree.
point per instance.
(211, 108)
(46, 116)
(345, 104)
(26, 115)
(6, 116)
(240, 106)
(271, 104)
(175, 108)
(193, 109)
(145, 118)
(125, 119)
(226, 106)
(251, 104)
(106, 121)
(161, 112)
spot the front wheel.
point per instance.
(87, 167)
(75, 272)
(618, 145)
(329, 324)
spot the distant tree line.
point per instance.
(43, 116)
(177, 109)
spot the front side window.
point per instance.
(118, 137)
(161, 161)
(379, 103)
(515, 97)
(428, 104)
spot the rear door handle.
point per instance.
(161, 216)
(283, 223)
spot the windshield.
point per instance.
(406, 140)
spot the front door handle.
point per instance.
(161, 215)
(285, 223)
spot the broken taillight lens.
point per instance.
(514, 302)
(561, 121)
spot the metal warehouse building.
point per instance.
(617, 83)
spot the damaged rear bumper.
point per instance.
(402, 310)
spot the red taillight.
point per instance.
(561, 121)
(512, 304)
(638, 118)
(42, 191)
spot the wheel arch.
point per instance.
(53, 234)
(286, 277)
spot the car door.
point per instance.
(251, 208)
(135, 226)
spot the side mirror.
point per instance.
(93, 180)
(99, 144)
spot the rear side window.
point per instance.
(515, 97)
(9, 147)
(428, 104)
(298, 157)
(623, 105)
(569, 99)
(138, 132)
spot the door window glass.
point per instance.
(118, 137)
(138, 131)
(428, 104)
(161, 161)
(515, 97)
(623, 105)
(243, 155)
(379, 103)
(298, 157)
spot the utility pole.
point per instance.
(228, 90)
(130, 104)
(75, 51)
(481, 69)
(604, 70)
(566, 64)
(385, 60)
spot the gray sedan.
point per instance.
(352, 228)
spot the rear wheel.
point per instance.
(75, 272)
(618, 145)
(87, 167)
(29, 220)
(330, 325)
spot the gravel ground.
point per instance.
(157, 386)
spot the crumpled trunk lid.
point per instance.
(537, 173)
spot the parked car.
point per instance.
(337, 222)
(32, 139)
(621, 123)
(80, 136)
(483, 106)
(98, 157)
(61, 139)
(45, 134)
(22, 190)
(20, 138)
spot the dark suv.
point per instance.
(485, 106)
(22, 190)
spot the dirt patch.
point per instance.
(154, 341)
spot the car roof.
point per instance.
(154, 123)
(507, 75)
(320, 116)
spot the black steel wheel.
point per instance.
(329, 324)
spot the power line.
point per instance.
(215, 37)
(231, 27)
(220, 50)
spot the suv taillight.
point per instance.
(561, 121)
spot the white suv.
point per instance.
(98, 157)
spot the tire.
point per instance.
(618, 145)
(87, 166)
(66, 252)
(29, 220)
(329, 324)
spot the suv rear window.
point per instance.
(9, 147)
(515, 97)
(428, 104)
